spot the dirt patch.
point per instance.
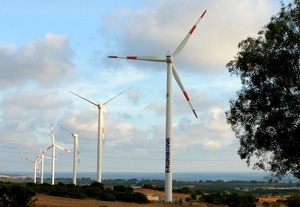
(161, 194)
(271, 199)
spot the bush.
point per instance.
(214, 198)
(13, 195)
(69, 191)
(97, 184)
(247, 200)
(233, 200)
(139, 198)
(186, 190)
(107, 196)
(119, 188)
(91, 191)
(148, 186)
(293, 201)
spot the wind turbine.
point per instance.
(171, 70)
(35, 166)
(76, 149)
(42, 157)
(100, 128)
(53, 146)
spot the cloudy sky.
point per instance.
(50, 47)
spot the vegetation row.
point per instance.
(23, 194)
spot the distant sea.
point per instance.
(178, 176)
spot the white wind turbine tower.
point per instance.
(53, 146)
(100, 128)
(171, 70)
(76, 150)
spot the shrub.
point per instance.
(107, 196)
(139, 198)
(148, 186)
(214, 198)
(247, 200)
(16, 194)
(233, 200)
(293, 201)
(91, 191)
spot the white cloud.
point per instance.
(46, 61)
(211, 145)
(155, 31)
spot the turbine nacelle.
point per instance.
(169, 59)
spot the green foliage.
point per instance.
(265, 116)
(120, 188)
(247, 200)
(194, 196)
(273, 204)
(266, 204)
(233, 200)
(213, 198)
(69, 191)
(97, 184)
(91, 191)
(199, 192)
(139, 198)
(107, 196)
(186, 190)
(148, 186)
(16, 194)
(293, 201)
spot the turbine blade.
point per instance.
(38, 168)
(52, 134)
(84, 99)
(64, 129)
(87, 127)
(116, 96)
(27, 159)
(78, 156)
(176, 76)
(48, 148)
(64, 149)
(183, 43)
(103, 135)
(145, 58)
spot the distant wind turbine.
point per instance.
(53, 146)
(100, 129)
(35, 167)
(76, 149)
(171, 70)
(41, 158)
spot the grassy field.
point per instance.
(52, 201)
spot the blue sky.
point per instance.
(50, 47)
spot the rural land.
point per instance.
(267, 194)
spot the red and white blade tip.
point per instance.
(194, 27)
(125, 57)
(188, 100)
(203, 14)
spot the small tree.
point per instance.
(247, 200)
